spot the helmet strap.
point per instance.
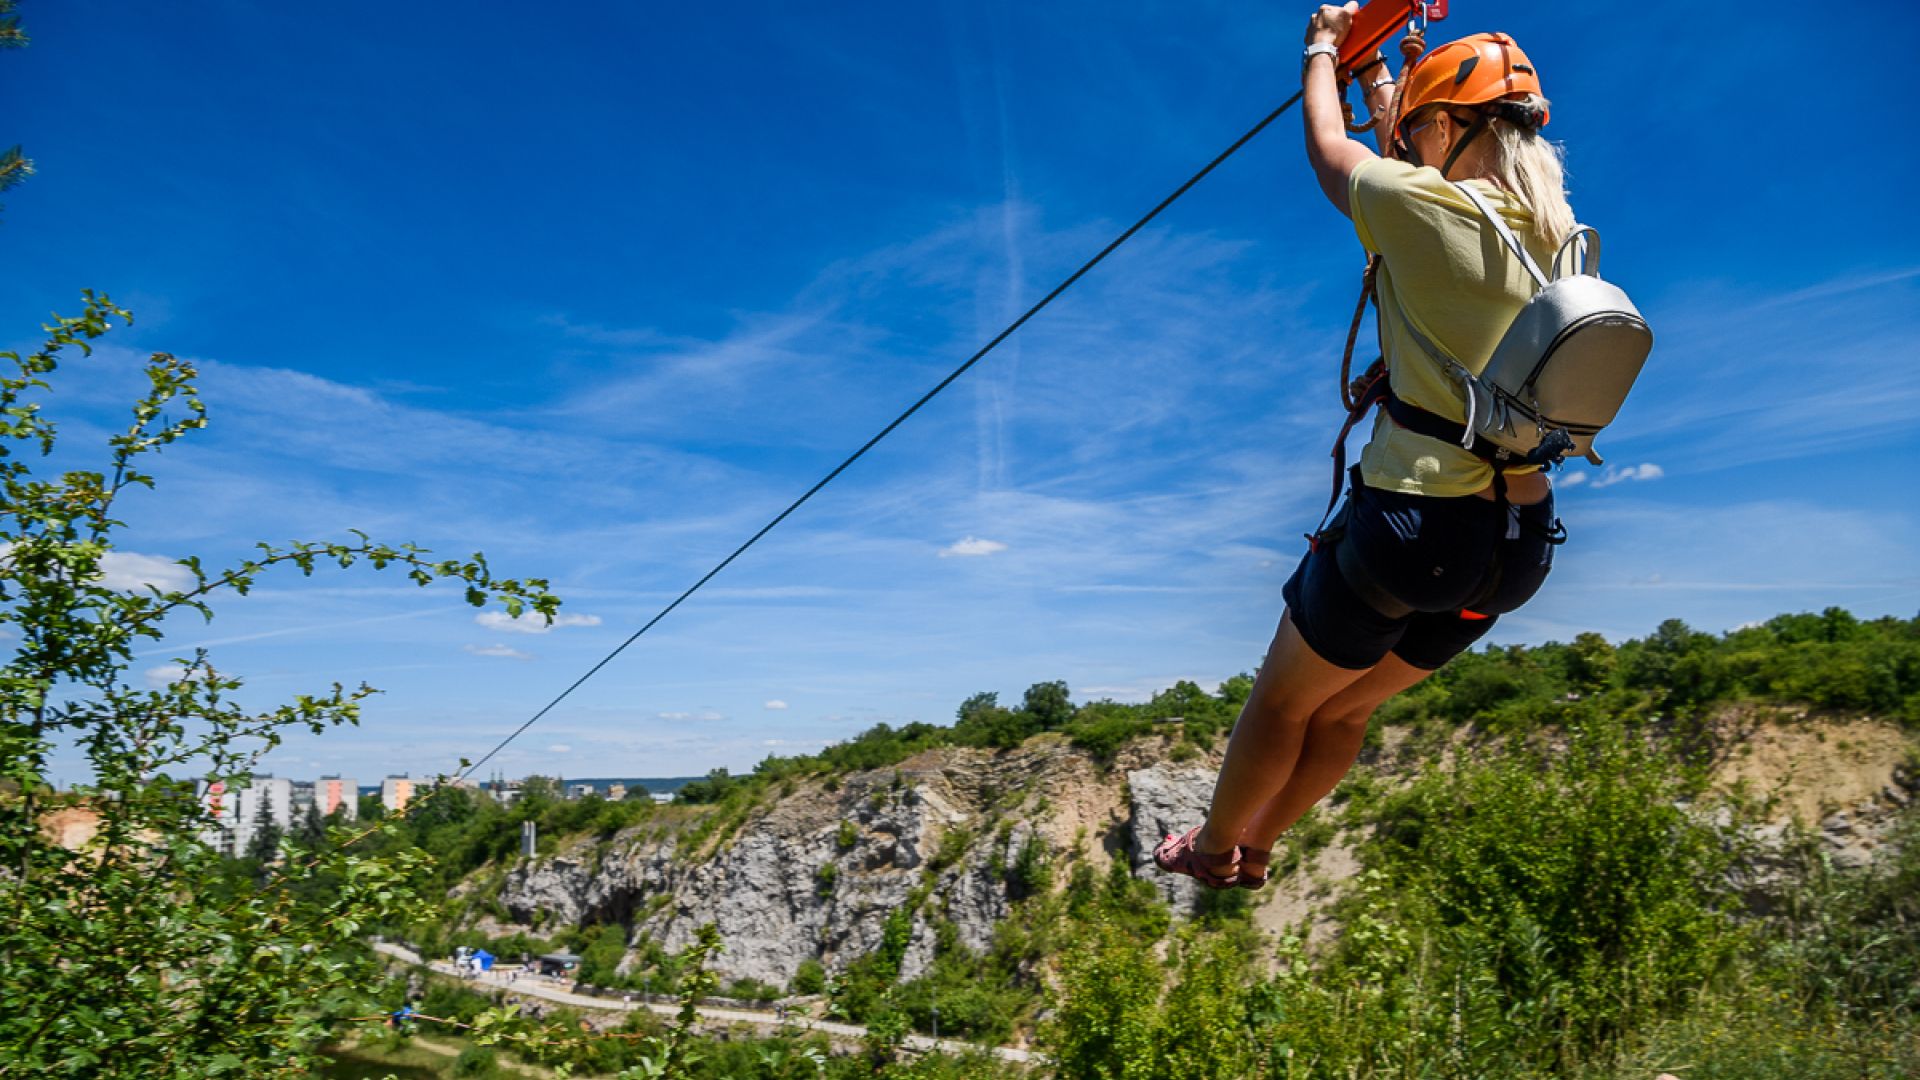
(1473, 130)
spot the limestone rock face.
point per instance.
(1166, 799)
(814, 874)
(958, 835)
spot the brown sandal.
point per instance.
(1250, 858)
(1178, 855)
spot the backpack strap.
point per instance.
(1589, 250)
(1500, 227)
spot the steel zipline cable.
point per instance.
(896, 422)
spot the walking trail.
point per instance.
(532, 986)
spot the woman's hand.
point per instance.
(1332, 155)
(1329, 25)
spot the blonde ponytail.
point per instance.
(1534, 170)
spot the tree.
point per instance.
(310, 830)
(1049, 705)
(264, 848)
(13, 166)
(976, 706)
(138, 952)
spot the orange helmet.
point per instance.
(1475, 70)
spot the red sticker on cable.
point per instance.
(1437, 10)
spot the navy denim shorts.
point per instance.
(1453, 564)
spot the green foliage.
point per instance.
(1831, 660)
(477, 1061)
(144, 953)
(1106, 1023)
(713, 789)
(1101, 729)
(1031, 872)
(983, 722)
(600, 955)
(953, 846)
(1049, 704)
(13, 166)
(809, 978)
(847, 836)
(1521, 915)
(563, 1042)
(750, 990)
(1203, 1033)
(450, 1001)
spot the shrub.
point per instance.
(1105, 1024)
(476, 1061)
(809, 978)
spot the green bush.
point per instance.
(601, 950)
(809, 978)
(476, 1061)
(1105, 1024)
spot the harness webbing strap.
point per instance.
(1373, 390)
(1434, 426)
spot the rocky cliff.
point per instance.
(814, 872)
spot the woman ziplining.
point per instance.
(1449, 518)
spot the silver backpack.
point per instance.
(1564, 366)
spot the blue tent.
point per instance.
(483, 959)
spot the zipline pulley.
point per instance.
(1373, 24)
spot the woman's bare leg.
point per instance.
(1334, 734)
(1293, 683)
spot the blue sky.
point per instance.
(598, 289)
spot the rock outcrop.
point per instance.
(958, 835)
(814, 873)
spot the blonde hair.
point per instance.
(1533, 169)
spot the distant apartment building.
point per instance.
(324, 796)
(581, 791)
(396, 792)
(240, 812)
(616, 791)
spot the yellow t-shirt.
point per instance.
(1442, 268)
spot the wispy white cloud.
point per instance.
(131, 571)
(505, 652)
(168, 674)
(531, 622)
(775, 705)
(1616, 475)
(559, 748)
(308, 628)
(971, 547)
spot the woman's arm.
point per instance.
(1332, 155)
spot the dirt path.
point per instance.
(532, 986)
(511, 1063)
